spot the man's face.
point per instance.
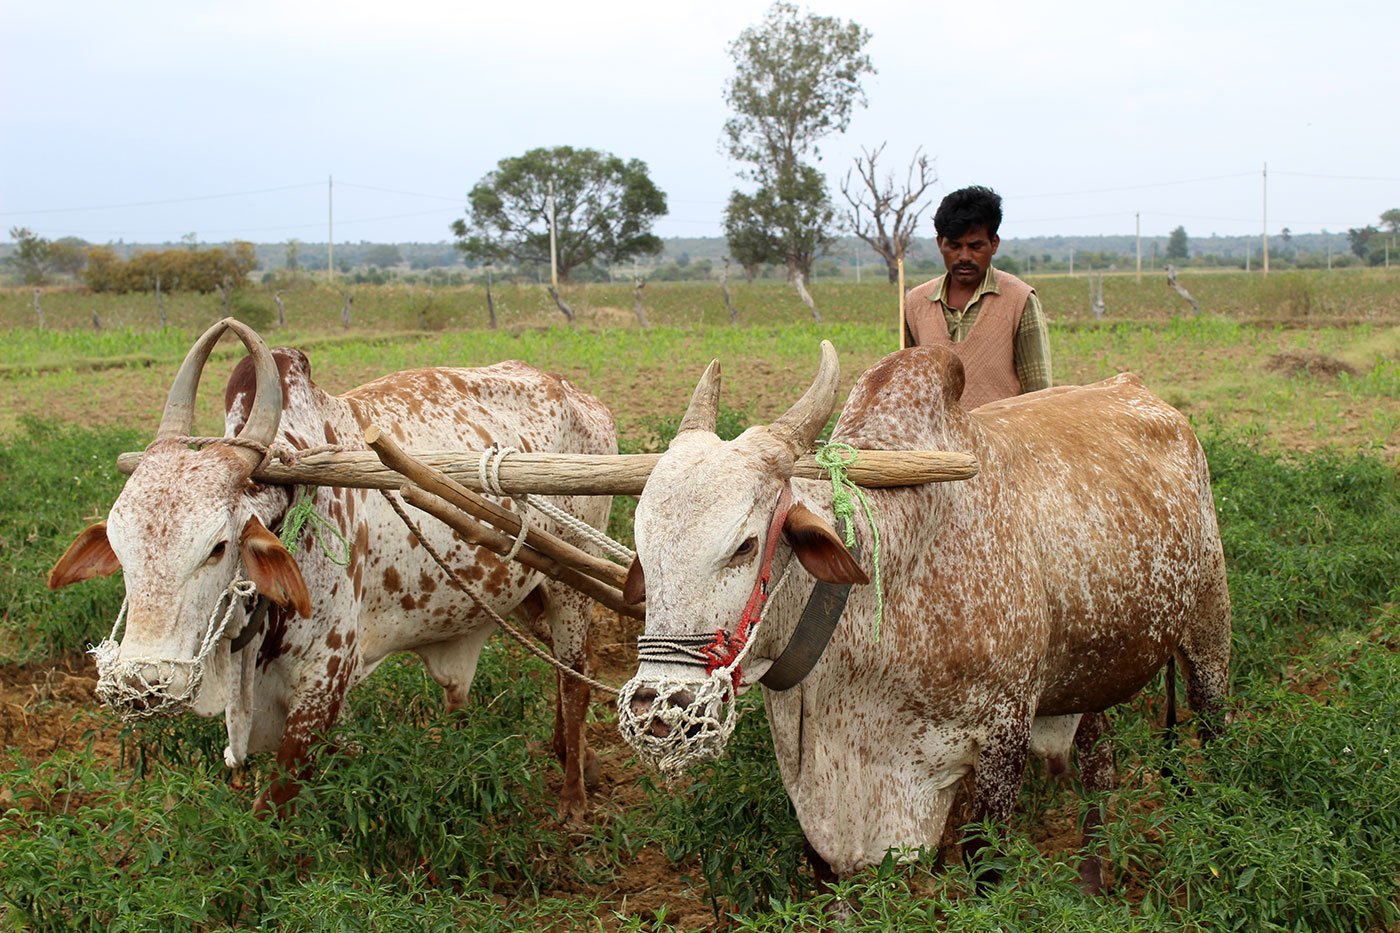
(968, 257)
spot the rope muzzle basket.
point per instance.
(140, 688)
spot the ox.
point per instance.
(190, 522)
(1018, 605)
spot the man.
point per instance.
(989, 318)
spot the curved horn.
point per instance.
(266, 412)
(799, 426)
(704, 402)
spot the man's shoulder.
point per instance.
(1010, 285)
(928, 290)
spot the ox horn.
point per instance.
(261, 426)
(798, 428)
(704, 402)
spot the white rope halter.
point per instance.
(489, 472)
(698, 731)
(140, 688)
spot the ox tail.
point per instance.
(1170, 675)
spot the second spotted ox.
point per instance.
(190, 523)
(1018, 606)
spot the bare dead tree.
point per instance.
(160, 304)
(38, 308)
(639, 283)
(225, 289)
(800, 284)
(728, 301)
(345, 311)
(490, 301)
(1181, 290)
(882, 216)
(564, 309)
(281, 309)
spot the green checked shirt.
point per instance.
(1031, 349)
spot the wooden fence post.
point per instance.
(806, 297)
(638, 284)
(1180, 290)
(564, 309)
(38, 309)
(728, 301)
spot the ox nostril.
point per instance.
(642, 702)
(681, 698)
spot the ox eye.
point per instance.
(217, 552)
(744, 551)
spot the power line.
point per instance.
(203, 197)
(1155, 184)
(1337, 177)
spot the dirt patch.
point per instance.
(1299, 362)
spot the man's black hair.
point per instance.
(966, 209)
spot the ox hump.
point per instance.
(293, 368)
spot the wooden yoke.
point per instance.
(445, 499)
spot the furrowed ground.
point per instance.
(1293, 821)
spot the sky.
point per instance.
(150, 120)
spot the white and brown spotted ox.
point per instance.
(189, 521)
(1018, 605)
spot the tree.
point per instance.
(383, 255)
(604, 209)
(1360, 239)
(67, 255)
(1176, 244)
(879, 215)
(30, 260)
(797, 80)
(1391, 219)
(788, 221)
(293, 254)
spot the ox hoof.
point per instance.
(592, 770)
(1091, 877)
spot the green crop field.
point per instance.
(418, 820)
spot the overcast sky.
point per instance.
(1081, 115)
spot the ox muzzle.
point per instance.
(147, 687)
(673, 725)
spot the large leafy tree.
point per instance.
(30, 260)
(796, 81)
(604, 210)
(789, 221)
(1176, 244)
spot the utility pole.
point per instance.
(1266, 218)
(553, 248)
(1071, 261)
(1139, 247)
(330, 228)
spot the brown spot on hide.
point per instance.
(330, 434)
(426, 583)
(392, 583)
(407, 602)
(333, 639)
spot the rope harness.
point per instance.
(140, 688)
(670, 735)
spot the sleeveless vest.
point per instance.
(988, 351)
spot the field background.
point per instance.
(1294, 819)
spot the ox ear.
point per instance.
(272, 569)
(634, 591)
(820, 549)
(90, 555)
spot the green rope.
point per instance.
(302, 513)
(836, 457)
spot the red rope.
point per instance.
(726, 646)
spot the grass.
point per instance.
(419, 820)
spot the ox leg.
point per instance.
(566, 614)
(1096, 773)
(1205, 653)
(1000, 766)
(310, 721)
